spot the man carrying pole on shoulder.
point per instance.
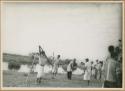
(55, 66)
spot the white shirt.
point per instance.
(87, 75)
(88, 66)
(97, 66)
(69, 66)
(110, 70)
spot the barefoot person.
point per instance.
(71, 66)
(69, 70)
(96, 69)
(40, 65)
(40, 73)
(87, 75)
(99, 70)
(92, 71)
(55, 66)
(83, 68)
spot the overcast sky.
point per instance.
(73, 30)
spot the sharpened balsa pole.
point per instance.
(30, 71)
(53, 55)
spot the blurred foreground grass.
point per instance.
(18, 79)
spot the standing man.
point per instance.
(71, 66)
(87, 75)
(118, 51)
(83, 67)
(99, 72)
(92, 70)
(97, 69)
(55, 66)
(110, 67)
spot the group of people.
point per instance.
(70, 67)
(113, 67)
(91, 70)
(109, 70)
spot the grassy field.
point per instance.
(17, 79)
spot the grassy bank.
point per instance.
(16, 58)
(17, 79)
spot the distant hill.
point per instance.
(7, 57)
(17, 58)
(25, 59)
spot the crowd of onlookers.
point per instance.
(108, 70)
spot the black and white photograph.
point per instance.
(52, 44)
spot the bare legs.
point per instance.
(38, 80)
(54, 75)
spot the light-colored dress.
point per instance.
(93, 71)
(110, 67)
(87, 75)
(99, 72)
(97, 66)
(42, 60)
(83, 72)
(40, 71)
(40, 66)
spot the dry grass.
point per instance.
(17, 79)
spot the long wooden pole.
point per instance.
(30, 70)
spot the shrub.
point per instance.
(13, 65)
(66, 63)
(64, 67)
